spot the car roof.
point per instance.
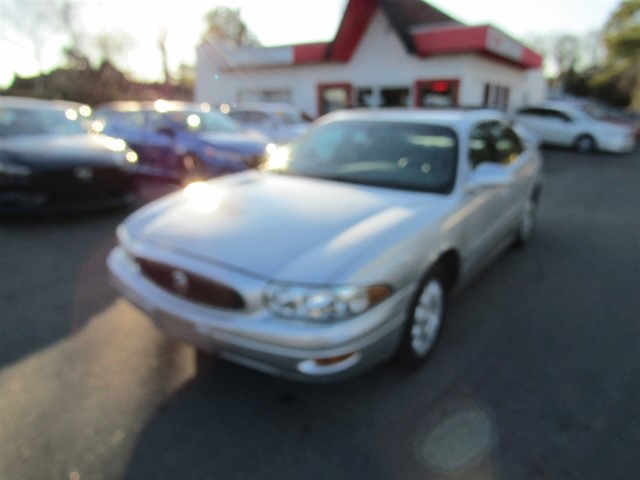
(263, 106)
(562, 105)
(452, 118)
(36, 103)
(158, 105)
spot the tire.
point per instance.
(424, 319)
(193, 168)
(585, 144)
(527, 223)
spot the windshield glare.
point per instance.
(408, 156)
(197, 121)
(289, 118)
(43, 121)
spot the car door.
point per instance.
(549, 125)
(558, 128)
(495, 151)
(160, 144)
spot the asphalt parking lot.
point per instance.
(536, 375)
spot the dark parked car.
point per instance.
(50, 162)
(180, 140)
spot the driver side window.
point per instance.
(481, 145)
(493, 142)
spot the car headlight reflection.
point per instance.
(323, 303)
(202, 197)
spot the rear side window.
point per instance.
(494, 142)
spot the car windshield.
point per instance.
(408, 156)
(288, 117)
(594, 111)
(198, 121)
(39, 121)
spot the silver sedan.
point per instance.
(342, 252)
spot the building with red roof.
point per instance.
(385, 53)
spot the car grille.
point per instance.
(193, 287)
(81, 182)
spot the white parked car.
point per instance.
(342, 252)
(279, 122)
(567, 124)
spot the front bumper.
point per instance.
(617, 143)
(292, 349)
(60, 190)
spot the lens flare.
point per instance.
(202, 197)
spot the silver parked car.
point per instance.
(582, 127)
(281, 123)
(342, 251)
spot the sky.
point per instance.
(275, 22)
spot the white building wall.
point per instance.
(525, 86)
(380, 61)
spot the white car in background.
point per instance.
(570, 124)
(279, 122)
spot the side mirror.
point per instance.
(488, 176)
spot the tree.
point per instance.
(162, 46)
(622, 39)
(30, 26)
(225, 24)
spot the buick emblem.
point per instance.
(83, 173)
(180, 282)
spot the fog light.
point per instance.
(328, 365)
(323, 362)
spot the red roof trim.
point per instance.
(531, 59)
(355, 21)
(450, 40)
(484, 39)
(310, 53)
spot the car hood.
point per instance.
(85, 148)
(282, 227)
(243, 142)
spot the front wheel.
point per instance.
(585, 144)
(424, 320)
(527, 221)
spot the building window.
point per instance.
(367, 97)
(496, 96)
(333, 97)
(437, 93)
(394, 97)
(382, 97)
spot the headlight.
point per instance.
(131, 157)
(323, 303)
(127, 160)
